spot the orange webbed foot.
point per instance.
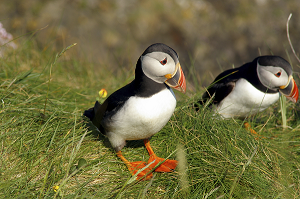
(166, 166)
(248, 127)
(134, 167)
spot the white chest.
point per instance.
(141, 118)
(245, 100)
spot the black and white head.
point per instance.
(160, 63)
(276, 73)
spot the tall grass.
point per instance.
(56, 153)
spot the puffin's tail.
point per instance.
(90, 113)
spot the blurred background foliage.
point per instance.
(209, 35)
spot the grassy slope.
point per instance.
(40, 149)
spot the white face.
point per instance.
(156, 65)
(272, 76)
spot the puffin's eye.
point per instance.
(163, 62)
(278, 74)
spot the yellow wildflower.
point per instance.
(55, 188)
(102, 93)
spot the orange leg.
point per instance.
(166, 166)
(135, 166)
(248, 127)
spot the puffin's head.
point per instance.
(276, 73)
(160, 63)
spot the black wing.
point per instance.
(110, 106)
(220, 88)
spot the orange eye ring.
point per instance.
(278, 74)
(164, 61)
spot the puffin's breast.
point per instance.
(244, 100)
(142, 117)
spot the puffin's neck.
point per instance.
(250, 74)
(143, 85)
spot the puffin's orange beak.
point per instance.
(177, 80)
(290, 90)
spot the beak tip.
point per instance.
(183, 84)
(293, 94)
(180, 84)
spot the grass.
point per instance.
(53, 152)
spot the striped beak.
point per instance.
(177, 80)
(290, 90)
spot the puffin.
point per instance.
(251, 88)
(142, 108)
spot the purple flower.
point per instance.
(5, 40)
